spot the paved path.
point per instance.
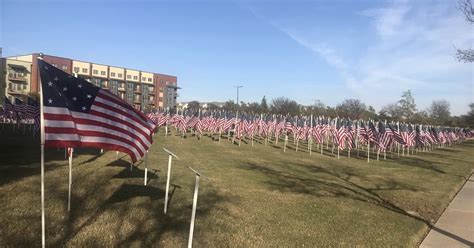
(455, 228)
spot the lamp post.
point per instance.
(238, 87)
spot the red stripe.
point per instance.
(75, 144)
(113, 118)
(99, 124)
(121, 103)
(120, 112)
(60, 130)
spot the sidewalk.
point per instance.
(455, 228)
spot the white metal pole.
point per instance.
(168, 182)
(146, 167)
(70, 180)
(193, 215)
(43, 230)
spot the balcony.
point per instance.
(151, 92)
(17, 77)
(17, 91)
(137, 100)
(121, 89)
(138, 91)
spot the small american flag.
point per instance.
(79, 114)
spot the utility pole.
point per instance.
(238, 87)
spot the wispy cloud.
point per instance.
(412, 47)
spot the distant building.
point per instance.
(144, 90)
(202, 105)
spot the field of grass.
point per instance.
(255, 196)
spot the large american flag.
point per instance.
(79, 114)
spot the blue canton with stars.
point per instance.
(63, 90)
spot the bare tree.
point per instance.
(439, 112)
(407, 105)
(466, 55)
(391, 111)
(283, 106)
(193, 106)
(351, 108)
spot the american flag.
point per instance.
(79, 114)
(20, 108)
(8, 107)
(33, 112)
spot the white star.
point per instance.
(65, 89)
(80, 85)
(84, 108)
(50, 101)
(60, 94)
(89, 96)
(74, 98)
(56, 78)
(50, 83)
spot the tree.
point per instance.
(212, 107)
(370, 113)
(407, 105)
(264, 105)
(466, 55)
(230, 106)
(283, 106)
(469, 118)
(253, 107)
(351, 108)
(421, 117)
(392, 112)
(439, 112)
(193, 106)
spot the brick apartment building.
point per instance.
(19, 77)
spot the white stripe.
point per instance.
(62, 137)
(85, 116)
(122, 117)
(93, 139)
(84, 127)
(56, 110)
(128, 111)
(53, 123)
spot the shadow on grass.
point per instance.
(146, 232)
(329, 183)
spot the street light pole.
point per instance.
(238, 87)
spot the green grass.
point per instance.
(255, 196)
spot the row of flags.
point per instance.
(27, 111)
(80, 114)
(344, 133)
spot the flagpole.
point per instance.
(146, 166)
(70, 179)
(43, 230)
(170, 158)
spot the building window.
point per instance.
(149, 79)
(161, 90)
(120, 75)
(64, 67)
(84, 70)
(143, 79)
(76, 69)
(129, 77)
(112, 74)
(102, 73)
(95, 72)
(135, 77)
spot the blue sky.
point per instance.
(304, 50)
